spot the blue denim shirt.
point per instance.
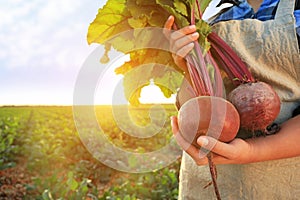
(266, 11)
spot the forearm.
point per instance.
(284, 144)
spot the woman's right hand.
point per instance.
(181, 41)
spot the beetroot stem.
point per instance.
(222, 59)
(196, 80)
(202, 67)
(231, 64)
(200, 63)
(212, 169)
(237, 66)
(199, 10)
(218, 78)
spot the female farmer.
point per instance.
(264, 34)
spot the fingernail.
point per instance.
(202, 141)
(196, 34)
(191, 45)
(192, 27)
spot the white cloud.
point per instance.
(53, 11)
(46, 34)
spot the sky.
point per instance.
(42, 49)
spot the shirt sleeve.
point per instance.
(297, 18)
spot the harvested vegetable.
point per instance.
(257, 102)
(208, 115)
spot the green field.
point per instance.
(42, 155)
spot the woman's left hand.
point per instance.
(237, 151)
(283, 144)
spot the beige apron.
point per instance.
(271, 51)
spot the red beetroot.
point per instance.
(257, 103)
(208, 115)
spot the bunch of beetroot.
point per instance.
(252, 105)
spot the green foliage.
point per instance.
(162, 184)
(140, 117)
(122, 25)
(11, 125)
(165, 78)
(8, 133)
(111, 20)
(181, 7)
(70, 189)
(59, 165)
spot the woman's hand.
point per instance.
(283, 144)
(237, 151)
(181, 41)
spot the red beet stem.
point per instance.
(222, 59)
(199, 63)
(218, 78)
(233, 63)
(196, 79)
(213, 173)
(208, 88)
(199, 9)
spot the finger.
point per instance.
(183, 51)
(174, 124)
(180, 140)
(183, 46)
(169, 23)
(193, 151)
(222, 149)
(168, 26)
(183, 32)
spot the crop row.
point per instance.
(45, 141)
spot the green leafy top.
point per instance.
(122, 24)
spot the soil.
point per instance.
(14, 183)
